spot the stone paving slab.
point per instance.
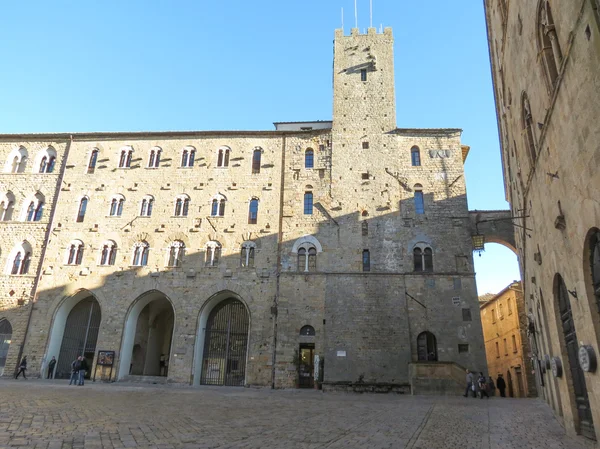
(54, 415)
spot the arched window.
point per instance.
(182, 206)
(7, 206)
(116, 206)
(35, 209)
(213, 254)
(47, 160)
(218, 206)
(75, 254)
(223, 157)
(125, 159)
(81, 211)
(528, 130)
(309, 158)
(366, 260)
(20, 260)
(307, 258)
(419, 200)
(307, 331)
(91, 168)
(140, 254)
(253, 211)
(256, 155)
(308, 203)
(176, 251)
(427, 347)
(108, 255)
(16, 161)
(247, 254)
(187, 157)
(154, 159)
(423, 258)
(146, 206)
(548, 43)
(415, 156)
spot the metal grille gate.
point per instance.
(5, 338)
(226, 345)
(80, 337)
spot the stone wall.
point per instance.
(546, 86)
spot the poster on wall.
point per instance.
(106, 358)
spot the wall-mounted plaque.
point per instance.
(556, 365)
(587, 358)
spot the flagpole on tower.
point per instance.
(342, 17)
(371, 15)
(355, 15)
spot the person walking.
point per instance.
(51, 366)
(75, 365)
(491, 386)
(501, 385)
(482, 384)
(22, 368)
(83, 367)
(470, 385)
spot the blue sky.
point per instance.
(197, 65)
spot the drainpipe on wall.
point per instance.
(38, 273)
(274, 310)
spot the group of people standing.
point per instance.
(484, 387)
(79, 368)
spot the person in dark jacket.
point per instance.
(22, 368)
(75, 365)
(83, 367)
(501, 385)
(492, 386)
(51, 366)
(482, 384)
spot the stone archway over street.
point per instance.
(495, 225)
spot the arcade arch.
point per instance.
(220, 355)
(147, 337)
(74, 332)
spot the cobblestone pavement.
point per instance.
(53, 415)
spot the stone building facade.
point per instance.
(504, 322)
(237, 257)
(545, 56)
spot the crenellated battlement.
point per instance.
(339, 32)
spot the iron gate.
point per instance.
(225, 345)
(586, 424)
(5, 338)
(80, 337)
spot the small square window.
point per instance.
(466, 314)
(365, 145)
(457, 284)
(364, 176)
(463, 348)
(363, 74)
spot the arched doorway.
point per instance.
(426, 347)
(147, 338)
(225, 344)
(571, 345)
(5, 339)
(79, 337)
(306, 357)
